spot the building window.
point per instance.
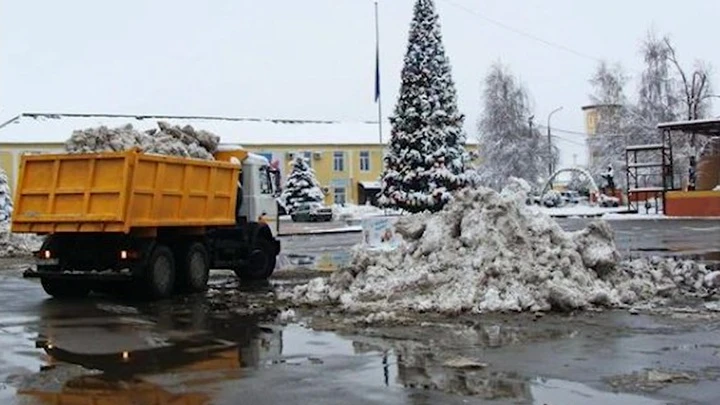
(308, 158)
(339, 161)
(265, 182)
(364, 161)
(339, 195)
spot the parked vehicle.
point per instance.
(609, 201)
(533, 199)
(312, 212)
(570, 197)
(155, 223)
(552, 199)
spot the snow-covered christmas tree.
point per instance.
(301, 185)
(425, 162)
(6, 205)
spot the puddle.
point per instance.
(177, 352)
(300, 341)
(552, 391)
(186, 351)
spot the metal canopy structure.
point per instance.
(663, 161)
(709, 127)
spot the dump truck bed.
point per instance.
(122, 191)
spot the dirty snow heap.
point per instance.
(12, 245)
(485, 251)
(164, 140)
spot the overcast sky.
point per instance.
(315, 58)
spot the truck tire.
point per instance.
(194, 270)
(160, 273)
(261, 262)
(64, 289)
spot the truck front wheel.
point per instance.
(160, 273)
(195, 269)
(261, 262)
(60, 289)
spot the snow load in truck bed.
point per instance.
(165, 140)
(487, 252)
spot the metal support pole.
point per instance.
(377, 72)
(549, 140)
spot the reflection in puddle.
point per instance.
(551, 391)
(183, 352)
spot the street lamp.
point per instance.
(550, 165)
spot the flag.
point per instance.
(377, 71)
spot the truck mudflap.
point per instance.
(276, 244)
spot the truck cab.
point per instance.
(259, 191)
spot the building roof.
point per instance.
(710, 127)
(57, 128)
(595, 106)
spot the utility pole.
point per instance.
(530, 124)
(549, 140)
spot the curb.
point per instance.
(321, 232)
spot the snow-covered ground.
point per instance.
(487, 251)
(17, 245)
(578, 210)
(350, 212)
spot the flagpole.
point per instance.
(378, 96)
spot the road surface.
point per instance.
(227, 347)
(232, 346)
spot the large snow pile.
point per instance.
(487, 252)
(17, 245)
(12, 244)
(164, 140)
(6, 205)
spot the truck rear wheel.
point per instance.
(63, 289)
(261, 262)
(160, 273)
(194, 272)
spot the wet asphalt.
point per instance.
(232, 346)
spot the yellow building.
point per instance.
(347, 156)
(593, 113)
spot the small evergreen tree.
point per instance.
(6, 204)
(301, 185)
(425, 162)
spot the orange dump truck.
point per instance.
(156, 223)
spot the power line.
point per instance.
(568, 140)
(522, 33)
(585, 134)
